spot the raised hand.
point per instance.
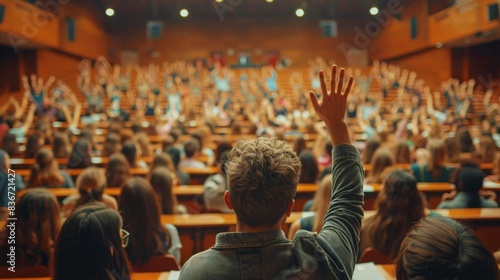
(332, 106)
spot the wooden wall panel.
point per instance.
(60, 65)
(91, 37)
(454, 23)
(24, 22)
(298, 39)
(433, 65)
(395, 38)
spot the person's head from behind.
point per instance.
(162, 160)
(61, 147)
(80, 156)
(161, 180)
(90, 184)
(9, 144)
(309, 171)
(464, 140)
(175, 154)
(117, 171)
(398, 206)
(487, 148)
(469, 179)
(33, 143)
(381, 160)
(191, 148)
(402, 153)
(139, 207)
(262, 176)
(438, 153)
(112, 144)
(38, 224)
(90, 245)
(299, 145)
(142, 140)
(372, 145)
(45, 171)
(130, 152)
(441, 248)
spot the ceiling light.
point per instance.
(110, 12)
(373, 11)
(299, 12)
(218, 1)
(269, 1)
(184, 13)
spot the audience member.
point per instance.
(262, 177)
(45, 172)
(141, 217)
(215, 186)
(90, 184)
(161, 180)
(191, 151)
(91, 246)
(441, 248)
(117, 171)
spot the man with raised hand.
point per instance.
(262, 177)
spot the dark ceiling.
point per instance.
(169, 9)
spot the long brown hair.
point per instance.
(61, 147)
(141, 217)
(117, 171)
(487, 148)
(45, 172)
(438, 157)
(441, 248)
(162, 183)
(38, 224)
(372, 145)
(112, 144)
(381, 160)
(398, 206)
(402, 153)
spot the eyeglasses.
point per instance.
(125, 238)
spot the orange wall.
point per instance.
(60, 65)
(298, 39)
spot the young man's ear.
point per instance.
(227, 200)
(289, 209)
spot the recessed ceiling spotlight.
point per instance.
(373, 11)
(110, 12)
(299, 13)
(184, 13)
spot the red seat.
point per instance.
(30, 271)
(372, 255)
(159, 264)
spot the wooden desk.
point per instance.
(191, 196)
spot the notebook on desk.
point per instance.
(365, 271)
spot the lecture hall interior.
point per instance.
(249, 139)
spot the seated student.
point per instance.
(37, 227)
(398, 206)
(112, 144)
(191, 150)
(381, 160)
(45, 172)
(33, 143)
(141, 217)
(117, 171)
(10, 145)
(161, 180)
(263, 175)
(90, 184)
(175, 154)
(20, 129)
(435, 170)
(61, 147)
(215, 187)
(80, 156)
(133, 154)
(319, 206)
(7, 178)
(468, 180)
(441, 248)
(309, 171)
(91, 246)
